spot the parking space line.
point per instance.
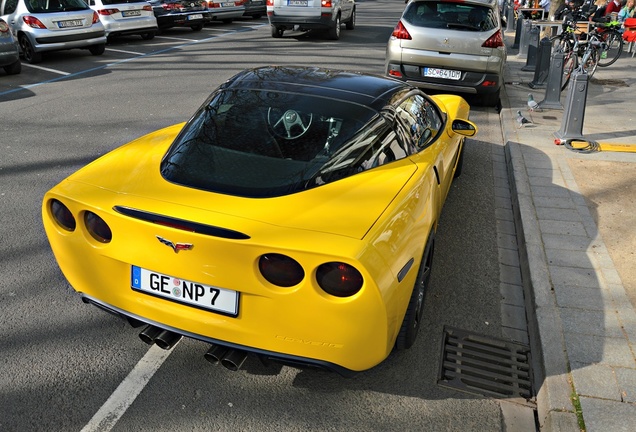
(124, 51)
(175, 38)
(127, 391)
(55, 71)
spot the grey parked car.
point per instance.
(449, 46)
(53, 25)
(9, 54)
(304, 15)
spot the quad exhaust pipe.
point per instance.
(230, 358)
(164, 339)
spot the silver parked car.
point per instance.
(9, 54)
(304, 15)
(53, 25)
(225, 10)
(449, 46)
(126, 17)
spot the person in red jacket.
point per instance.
(613, 6)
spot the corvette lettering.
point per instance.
(176, 247)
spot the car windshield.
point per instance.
(451, 15)
(264, 143)
(51, 6)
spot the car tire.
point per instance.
(491, 100)
(197, 27)
(460, 160)
(277, 32)
(148, 36)
(28, 52)
(351, 24)
(414, 311)
(14, 68)
(334, 31)
(97, 49)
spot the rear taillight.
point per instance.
(147, 8)
(400, 32)
(4, 27)
(494, 41)
(339, 279)
(95, 18)
(269, 3)
(62, 215)
(107, 12)
(325, 3)
(33, 22)
(97, 227)
(280, 270)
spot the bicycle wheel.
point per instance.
(592, 62)
(614, 47)
(570, 63)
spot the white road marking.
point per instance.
(176, 38)
(124, 51)
(59, 72)
(117, 404)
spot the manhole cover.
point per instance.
(487, 366)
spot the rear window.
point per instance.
(52, 6)
(260, 143)
(451, 15)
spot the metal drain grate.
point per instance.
(485, 365)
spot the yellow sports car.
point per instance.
(292, 217)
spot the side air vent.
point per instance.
(181, 224)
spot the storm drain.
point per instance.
(487, 366)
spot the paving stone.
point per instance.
(596, 381)
(591, 322)
(626, 379)
(562, 227)
(608, 416)
(587, 350)
(573, 276)
(583, 297)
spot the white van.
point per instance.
(304, 15)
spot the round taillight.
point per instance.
(97, 228)
(280, 270)
(339, 279)
(62, 215)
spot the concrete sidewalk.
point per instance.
(582, 322)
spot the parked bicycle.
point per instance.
(607, 41)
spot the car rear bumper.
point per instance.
(471, 82)
(79, 40)
(225, 14)
(265, 355)
(8, 56)
(323, 21)
(181, 20)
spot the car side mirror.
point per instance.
(464, 127)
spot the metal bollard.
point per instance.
(512, 22)
(518, 26)
(555, 81)
(574, 114)
(543, 64)
(533, 48)
(526, 26)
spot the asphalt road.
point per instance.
(61, 360)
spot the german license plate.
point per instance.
(442, 73)
(297, 2)
(227, 4)
(130, 13)
(185, 292)
(69, 23)
(195, 16)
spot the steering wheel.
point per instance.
(290, 125)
